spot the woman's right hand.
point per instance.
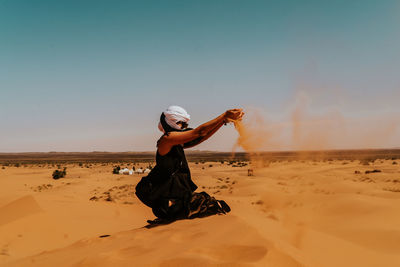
(233, 114)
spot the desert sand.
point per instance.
(290, 213)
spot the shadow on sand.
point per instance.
(158, 222)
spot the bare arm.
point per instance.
(200, 140)
(203, 131)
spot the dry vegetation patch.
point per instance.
(121, 194)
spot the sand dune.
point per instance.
(300, 213)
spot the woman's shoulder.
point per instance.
(171, 149)
(161, 137)
(173, 152)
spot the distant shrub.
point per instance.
(373, 171)
(116, 170)
(239, 164)
(17, 165)
(80, 164)
(365, 162)
(57, 174)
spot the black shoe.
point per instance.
(225, 207)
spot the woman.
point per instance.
(169, 189)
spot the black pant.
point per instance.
(199, 205)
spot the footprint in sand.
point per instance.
(4, 251)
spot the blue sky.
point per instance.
(95, 75)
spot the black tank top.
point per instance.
(173, 161)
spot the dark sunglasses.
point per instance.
(183, 124)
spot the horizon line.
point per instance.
(206, 151)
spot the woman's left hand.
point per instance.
(234, 114)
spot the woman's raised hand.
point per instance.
(234, 114)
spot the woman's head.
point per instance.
(175, 118)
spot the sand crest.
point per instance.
(19, 208)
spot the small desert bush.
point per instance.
(57, 174)
(116, 170)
